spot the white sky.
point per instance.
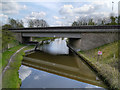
(57, 12)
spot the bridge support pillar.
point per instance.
(31, 39)
(74, 43)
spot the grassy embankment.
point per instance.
(7, 54)
(11, 76)
(107, 66)
(43, 38)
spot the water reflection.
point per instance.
(46, 70)
(24, 72)
(41, 79)
(58, 46)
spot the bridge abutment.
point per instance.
(19, 37)
(22, 39)
(74, 43)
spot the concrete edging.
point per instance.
(93, 67)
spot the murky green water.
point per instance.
(51, 66)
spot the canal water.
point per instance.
(51, 66)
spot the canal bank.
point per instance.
(10, 79)
(7, 55)
(107, 65)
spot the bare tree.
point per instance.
(15, 23)
(37, 23)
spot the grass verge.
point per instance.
(7, 54)
(11, 76)
(107, 65)
(43, 38)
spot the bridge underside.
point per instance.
(67, 35)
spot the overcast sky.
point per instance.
(57, 12)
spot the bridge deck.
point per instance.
(72, 27)
(66, 29)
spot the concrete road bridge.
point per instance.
(82, 37)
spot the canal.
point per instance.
(51, 66)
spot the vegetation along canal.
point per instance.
(51, 66)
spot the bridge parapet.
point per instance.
(80, 29)
(71, 27)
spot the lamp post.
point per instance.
(119, 13)
(119, 8)
(112, 5)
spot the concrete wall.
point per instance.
(75, 43)
(22, 39)
(93, 40)
(19, 37)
